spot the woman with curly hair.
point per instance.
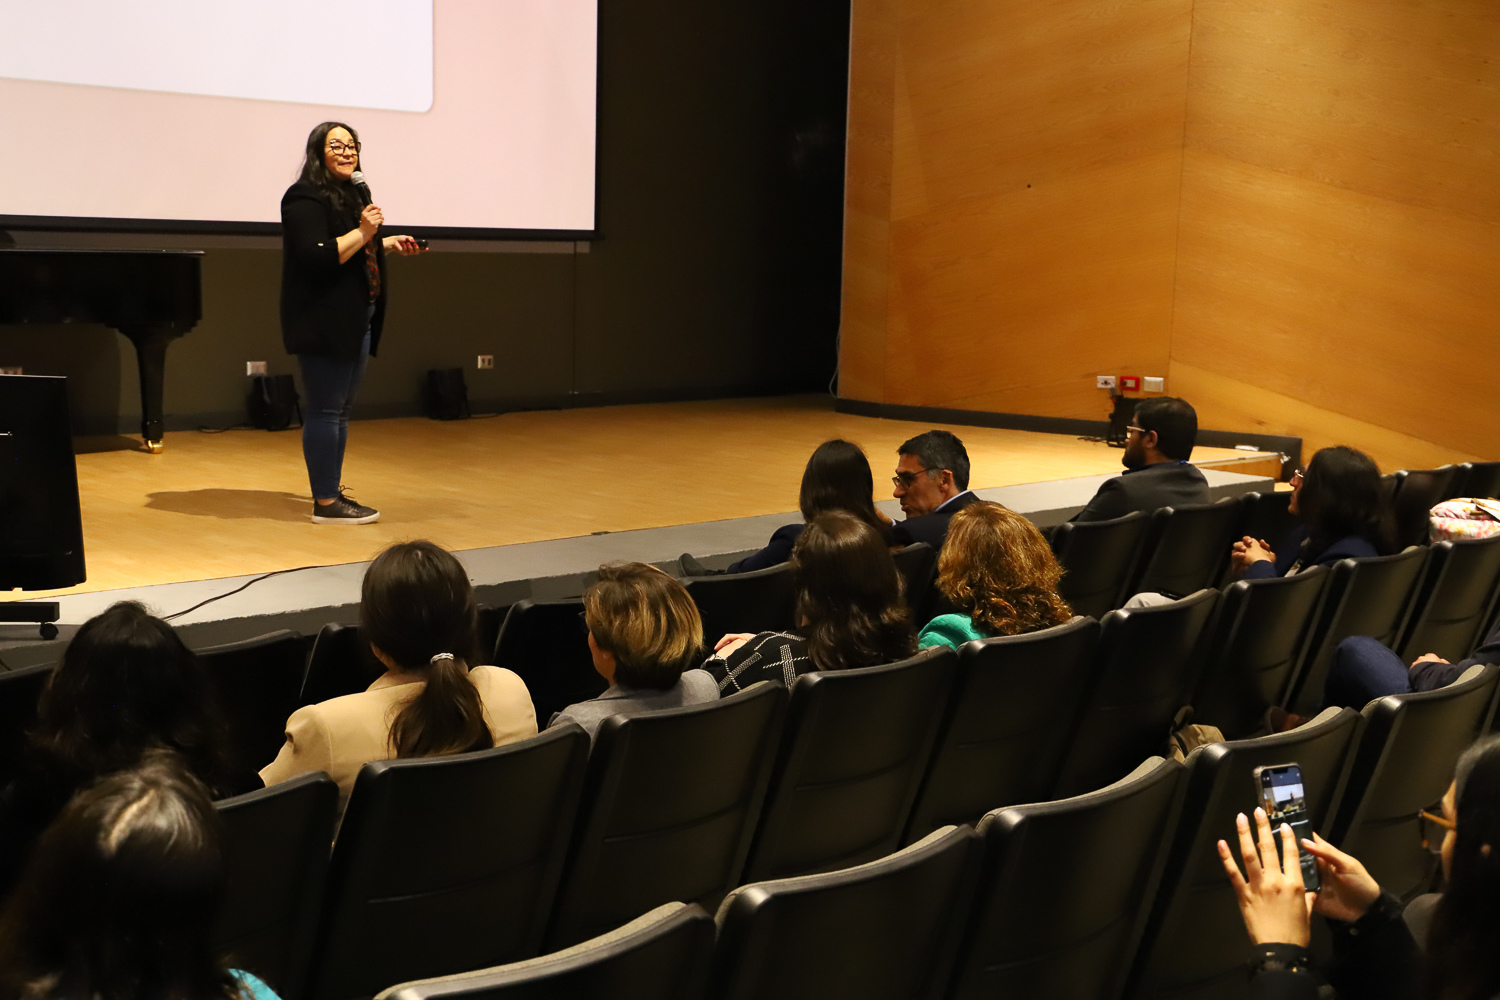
(1000, 574)
(850, 610)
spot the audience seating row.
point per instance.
(684, 805)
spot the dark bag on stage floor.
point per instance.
(447, 397)
(274, 402)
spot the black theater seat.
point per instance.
(259, 682)
(1145, 674)
(1403, 763)
(1065, 890)
(663, 955)
(276, 843)
(1454, 600)
(670, 806)
(886, 930)
(445, 864)
(1008, 724)
(20, 690)
(857, 745)
(1098, 559)
(340, 663)
(1258, 635)
(1195, 944)
(547, 645)
(759, 601)
(1187, 548)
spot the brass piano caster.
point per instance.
(154, 447)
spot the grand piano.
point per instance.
(151, 296)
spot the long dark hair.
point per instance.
(849, 595)
(128, 684)
(416, 603)
(121, 896)
(1341, 496)
(341, 194)
(838, 477)
(1463, 962)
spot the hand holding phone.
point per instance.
(1284, 798)
(1273, 903)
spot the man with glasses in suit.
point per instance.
(1158, 444)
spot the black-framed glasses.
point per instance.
(906, 479)
(338, 146)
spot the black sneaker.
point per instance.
(688, 566)
(344, 511)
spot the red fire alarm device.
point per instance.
(1130, 383)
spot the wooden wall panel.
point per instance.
(1035, 163)
(867, 200)
(1292, 205)
(1340, 227)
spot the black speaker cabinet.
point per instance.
(41, 531)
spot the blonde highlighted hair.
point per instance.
(997, 568)
(647, 620)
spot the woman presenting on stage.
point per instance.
(332, 304)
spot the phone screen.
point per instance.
(1284, 799)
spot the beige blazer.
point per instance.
(341, 735)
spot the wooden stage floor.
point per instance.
(236, 503)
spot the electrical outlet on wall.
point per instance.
(1130, 383)
(255, 367)
(486, 361)
(1155, 383)
(1104, 381)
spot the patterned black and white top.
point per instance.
(769, 656)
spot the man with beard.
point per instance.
(1158, 444)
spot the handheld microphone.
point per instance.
(358, 177)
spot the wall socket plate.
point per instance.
(1155, 383)
(1104, 381)
(255, 367)
(1130, 383)
(486, 361)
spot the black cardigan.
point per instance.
(324, 303)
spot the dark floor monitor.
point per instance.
(41, 531)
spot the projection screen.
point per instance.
(477, 117)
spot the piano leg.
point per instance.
(151, 359)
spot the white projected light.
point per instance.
(229, 49)
(476, 116)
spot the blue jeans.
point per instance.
(1362, 671)
(330, 386)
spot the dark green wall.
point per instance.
(716, 271)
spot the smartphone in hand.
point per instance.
(1284, 798)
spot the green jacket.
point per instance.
(949, 630)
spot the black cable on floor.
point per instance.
(263, 576)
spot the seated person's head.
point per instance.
(997, 568)
(121, 896)
(644, 629)
(838, 477)
(418, 614)
(931, 469)
(1461, 942)
(850, 604)
(1168, 429)
(127, 683)
(1339, 495)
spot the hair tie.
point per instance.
(440, 656)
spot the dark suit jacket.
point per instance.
(324, 304)
(1430, 676)
(931, 528)
(1164, 484)
(1290, 550)
(777, 551)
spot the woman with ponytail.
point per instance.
(418, 615)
